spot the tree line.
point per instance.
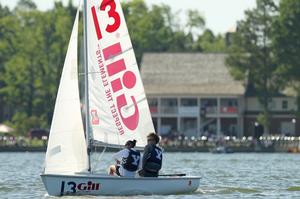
(33, 45)
(264, 49)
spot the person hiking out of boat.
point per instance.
(128, 161)
(152, 157)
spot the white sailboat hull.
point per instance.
(96, 184)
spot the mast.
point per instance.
(87, 115)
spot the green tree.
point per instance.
(4, 11)
(33, 49)
(24, 70)
(25, 5)
(157, 29)
(150, 29)
(251, 55)
(209, 43)
(195, 21)
(286, 39)
(5, 51)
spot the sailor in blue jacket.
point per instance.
(152, 158)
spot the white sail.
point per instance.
(118, 106)
(67, 151)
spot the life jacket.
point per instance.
(156, 155)
(131, 163)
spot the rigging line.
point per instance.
(118, 135)
(101, 155)
(87, 117)
(97, 159)
(130, 65)
(97, 72)
(121, 53)
(113, 146)
(88, 73)
(94, 163)
(137, 102)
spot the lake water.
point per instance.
(223, 175)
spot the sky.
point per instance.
(220, 15)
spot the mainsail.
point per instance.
(118, 106)
(66, 152)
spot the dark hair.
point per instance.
(153, 136)
(131, 143)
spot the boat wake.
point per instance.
(227, 190)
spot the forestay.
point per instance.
(66, 152)
(118, 106)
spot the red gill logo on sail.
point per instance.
(128, 79)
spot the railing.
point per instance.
(169, 110)
(211, 109)
(192, 111)
(229, 109)
(153, 109)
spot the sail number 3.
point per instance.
(111, 13)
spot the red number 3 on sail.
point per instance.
(111, 13)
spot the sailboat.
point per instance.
(116, 110)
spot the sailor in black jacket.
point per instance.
(152, 158)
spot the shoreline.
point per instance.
(166, 149)
(22, 149)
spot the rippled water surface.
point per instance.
(223, 175)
